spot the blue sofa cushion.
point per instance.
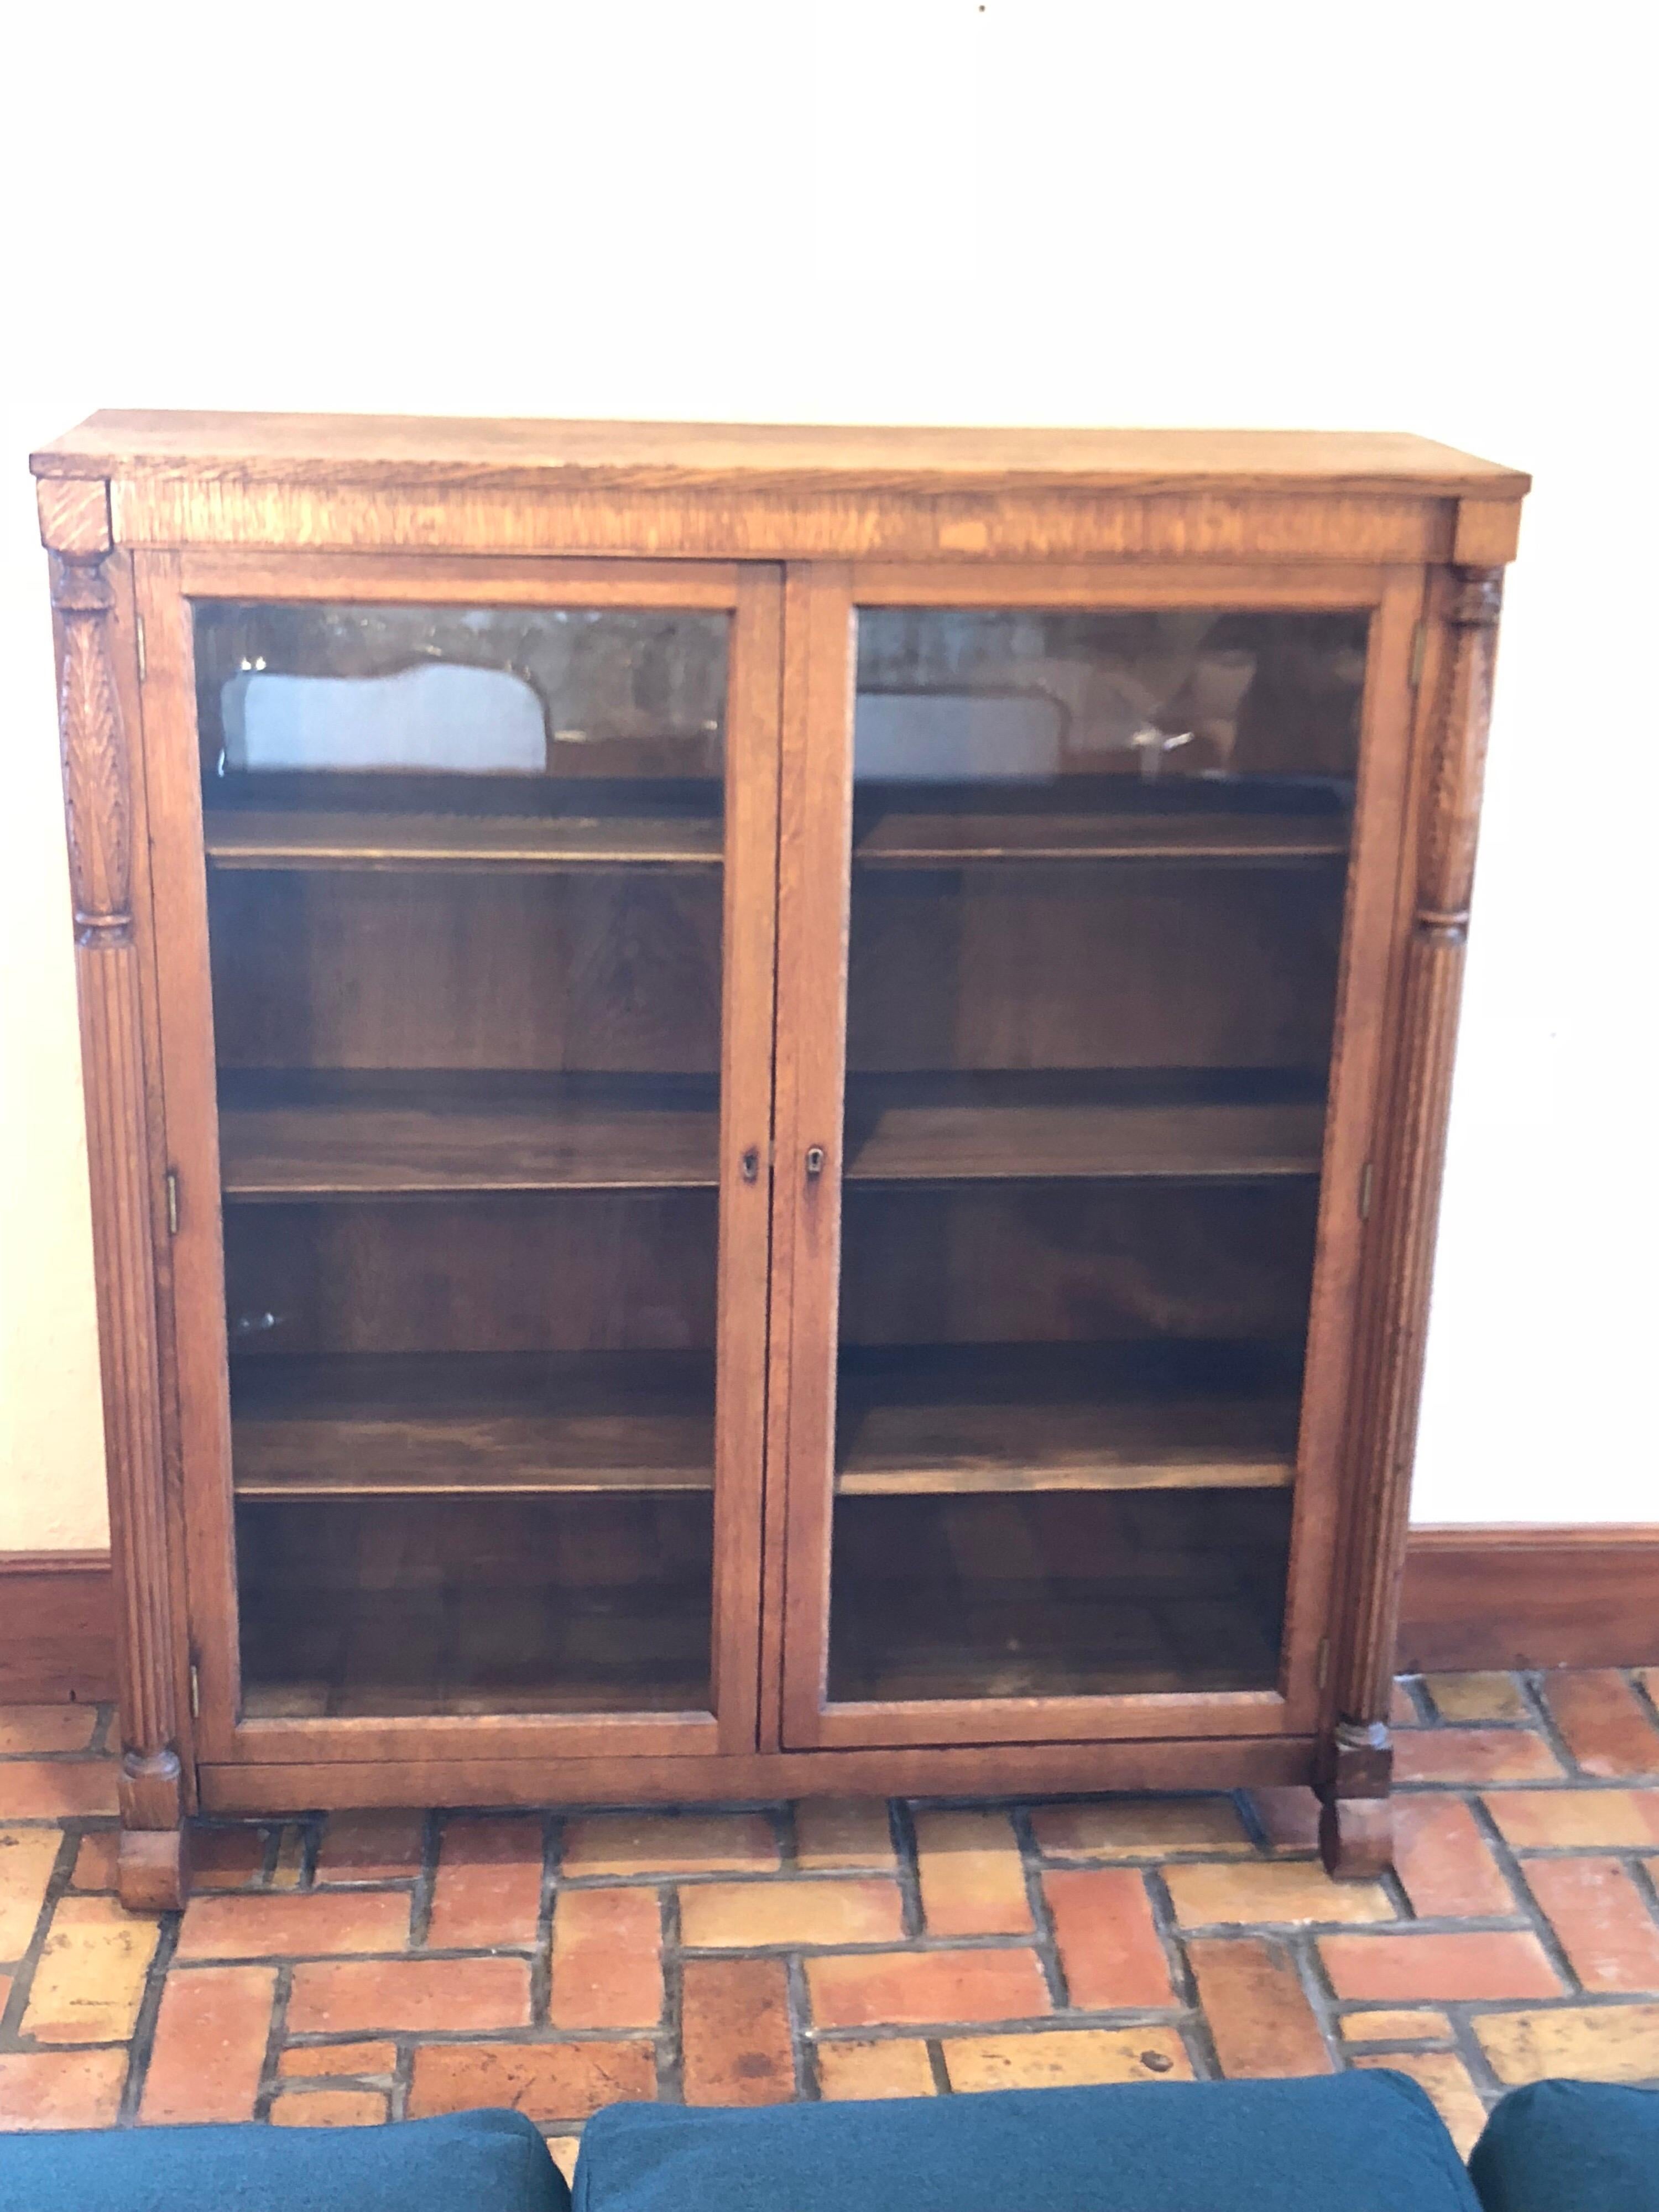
(464, 2162)
(1570, 2147)
(1356, 2142)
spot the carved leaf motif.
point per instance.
(94, 773)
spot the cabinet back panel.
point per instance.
(1093, 966)
(1060, 1264)
(592, 1271)
(601, 969)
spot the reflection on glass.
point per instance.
(465, 906)
(1098, 875)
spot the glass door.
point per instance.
(488, 908)
(1099, 861)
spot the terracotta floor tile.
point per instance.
(1444, 1862)
(667, 1843)
(370, 1846)
(842, 1832)
(1415, 2026)
(303, 1923)
(1474, 1755)
(488, 1889)
(1063, 2057)
(1600, 2043)
(907, 1988)
(972, 1878)
(1472, 1697)
(89, 1980)
(1602, 1920)
(736, 2046)
(55, 1788)
(734, 1916)
(1575, 1820)
(1468, 1965)
(341, 1997)
(227, 1858)
(563, 2150)
(209, 2047)
(543, 2081)
(313, 2062)
(607, 1963)
(1279, 1893)
(290, 1858)
(1108, 1944)
(329, 2108)
(1603, 1722)
(1289, 1818)
(1259, 2015)
(1138, 1827)
(94, 1862)
(62, 2088)
(28, 1856)
(1446, 2079)
(895, 2068)
(25, 1728)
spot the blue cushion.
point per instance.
(465, 2162)
(1570, 2147)
(1356, 2142)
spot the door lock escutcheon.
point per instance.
(814, 1162)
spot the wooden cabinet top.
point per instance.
(400, 484)
(435, 450)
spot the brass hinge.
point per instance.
(1322, 1662)
(1365, 1191)
(172, 1201)
(195, 1690)
(143, 670)
(1419, 648)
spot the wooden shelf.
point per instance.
(258, 838)
(496, 1424)
(964, 1419)
(320, 1135)
(966, 1128)
(908, 837)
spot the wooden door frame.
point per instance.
(166, 583)
(814, 907)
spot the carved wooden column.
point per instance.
(98, 770)
(1355, 1830)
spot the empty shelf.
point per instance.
(247, 837)
(488, 1425)
(1014, 1419)
(918, 839)
(969, 1128)
(300, 1136)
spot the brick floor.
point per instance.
(341, 1971)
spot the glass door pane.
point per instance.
(1098, 876)
(464, 884)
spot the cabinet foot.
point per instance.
(152, 1869)
(1356, 1837)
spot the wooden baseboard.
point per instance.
(1574, 1597)
(57, 1627)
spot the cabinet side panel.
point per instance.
(105, 823)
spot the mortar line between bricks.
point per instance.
(798, 2006)
(1531, 1682)
(1045, 1942)
(671, 2049)
(403, 2078)
(1422, 1698)
(1308, 1964)
(541, 1965)
(1646, 1702)
(1552, 1947)
(907, 1868)
(1170, 1935)
(270, 2074)
(142, 2043)
(22, 1981)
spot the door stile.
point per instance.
(1350, 1134)
(814, 901)
(750, 944)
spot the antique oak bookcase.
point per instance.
(765, 1105)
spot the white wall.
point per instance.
(1425, 216)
